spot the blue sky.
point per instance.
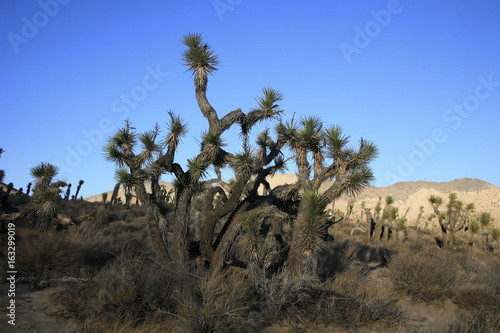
(419, 78)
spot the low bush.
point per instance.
(428, 276)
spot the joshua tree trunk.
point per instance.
(184, 196)
(115, 194)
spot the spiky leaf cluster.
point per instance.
(252, 225)
(312, 221)
(199, 58)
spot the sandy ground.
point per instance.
(35, 312)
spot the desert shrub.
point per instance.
(132, 289)
(213, 304)
(427, 276)
(361, 301)
(478, 298)
(456, 241)
(349, 300)
(277, 295)
(46, 254)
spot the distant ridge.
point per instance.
(403, 190)
(408, 195)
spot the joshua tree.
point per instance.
(349, 208)
(389, 216)
(68, 192)
(124, 178)
(156, 158)
(46, 193)
(104, 197)
(80, 183)
(454, 219)
(419, 217)
(114, 195)
(321, 155)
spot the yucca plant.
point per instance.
(485, 219)
(309, 232)
(46, 206)
(252, 225)
(474, 227)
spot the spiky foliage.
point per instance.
(46, 206)
(211, 145)
(326, 152)
(311, 222)
(197, 168)
(44, 173)
(199, 58)
(474, 227)
(46, 193)
(252, 225)
(243, 163)
(485, 219)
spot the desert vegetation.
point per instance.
(238, 255)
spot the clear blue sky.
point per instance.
(419, 78)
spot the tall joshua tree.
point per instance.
(80, 183)
(157, 157)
